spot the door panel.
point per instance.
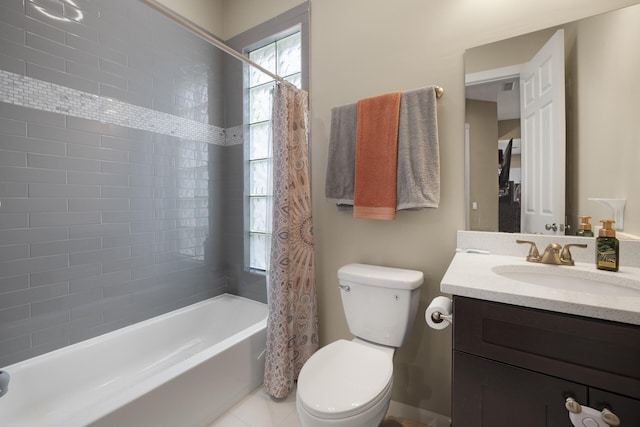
(493, 394)
(542, 104)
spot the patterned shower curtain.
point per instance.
(292, 325)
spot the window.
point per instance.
(282, 56)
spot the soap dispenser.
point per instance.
(607, 247)
(584, 229)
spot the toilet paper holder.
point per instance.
(439, 313)
(438, 317)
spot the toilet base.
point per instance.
(369, 418)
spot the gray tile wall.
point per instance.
(103, 224)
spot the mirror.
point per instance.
(602, 110)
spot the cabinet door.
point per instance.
(599, 353)
(627, 409)
(493, 394)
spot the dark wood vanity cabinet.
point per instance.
(515, 366)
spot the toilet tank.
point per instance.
(380, 303)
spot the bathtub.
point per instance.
(183, 368)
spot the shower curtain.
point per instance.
(292, 325)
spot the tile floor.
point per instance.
(260, 410)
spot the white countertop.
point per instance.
(474, 275)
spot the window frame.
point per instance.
(282, 26)
(251, 198)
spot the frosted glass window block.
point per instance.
(284, 58)
(289, 55)
(258, 251)
(266, 58)
(258, 217)
(260, 138)
(260, 103)
(257, 77)
(295, 80)
(258, 176)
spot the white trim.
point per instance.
(467, 177)
(494, 75)
(433, 419)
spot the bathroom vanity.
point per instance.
(532, 342)
(516, 366)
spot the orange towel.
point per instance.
(376, 157)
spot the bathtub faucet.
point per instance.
(4, 383)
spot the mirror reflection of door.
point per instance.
(542, 104)
(524, 103)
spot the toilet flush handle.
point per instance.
(345, 288)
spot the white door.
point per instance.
(542, 104)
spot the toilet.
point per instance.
(348, 383)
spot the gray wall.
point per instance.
(113, 168)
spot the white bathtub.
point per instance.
(183, 368)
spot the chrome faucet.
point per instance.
(554, 253)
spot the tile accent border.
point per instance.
(41, 95)
(235, 135)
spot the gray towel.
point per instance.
(342, 154)
(418, 180)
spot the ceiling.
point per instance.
(504, 92)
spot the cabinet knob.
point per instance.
(572, 406)
(610, 418)
(587, 416)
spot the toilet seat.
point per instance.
(344, 379)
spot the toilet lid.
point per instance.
(344, 377)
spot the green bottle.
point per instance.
(584, 229)
(607, 247)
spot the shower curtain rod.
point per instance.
(199, 31)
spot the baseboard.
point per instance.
(423, 416)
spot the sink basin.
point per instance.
(569, 279)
